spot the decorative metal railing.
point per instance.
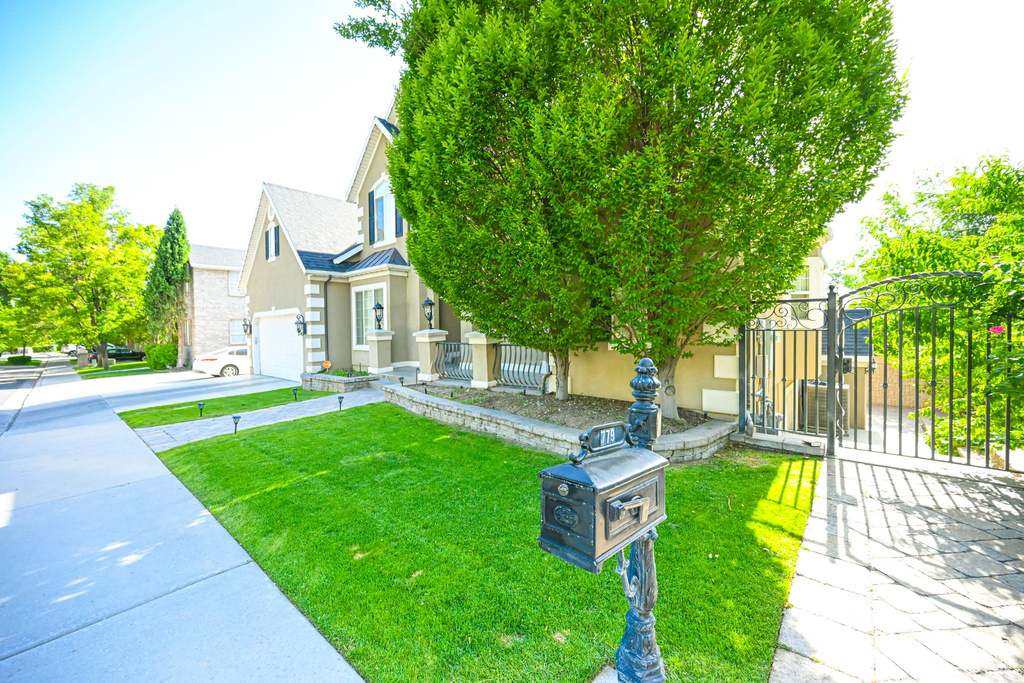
(520, 367)
(454, 361)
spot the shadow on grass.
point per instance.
(413, 548)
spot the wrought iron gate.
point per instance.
(904, 366)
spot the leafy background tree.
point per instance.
(646, 168)
(165, 286)
(972, 221)
(84, 268)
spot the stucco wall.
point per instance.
(276, 284)
(606, 373)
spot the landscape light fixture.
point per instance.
(341, 398)
(401, 380)
(300, 324)
(378, 313)
(428, 313)
(235, 419)
(247, 327)
(295, 393)
(201, 406)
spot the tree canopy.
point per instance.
(971, 221)
(84, 268)
(631, 170)
(165, 285)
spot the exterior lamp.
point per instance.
(201, 406)
(428, 313)
(295, 393)
(401, 380)
(378, 313)
(300, 324)
(247, 327)
(235, 419)
(340, 399)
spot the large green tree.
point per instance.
(971, 220)
(165, 304)
(658, 168)
(84, 268)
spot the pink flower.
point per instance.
(998, 329)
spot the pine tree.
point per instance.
(165, 288)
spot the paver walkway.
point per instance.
(110, 569)
(165, 437)
(907, 576)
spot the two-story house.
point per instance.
(214, 300)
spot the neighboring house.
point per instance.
(331, 261)
(214, 300)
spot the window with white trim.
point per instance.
(383, 214)
(234, 279)
(802, 284)
(236, 332)
(363, 312)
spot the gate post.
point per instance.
(832, 331)
(744, 390)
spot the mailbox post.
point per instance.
(612, 495)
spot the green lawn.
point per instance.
(412, 547)
(214, 407)
(114, 367)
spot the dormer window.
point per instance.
(385, 221)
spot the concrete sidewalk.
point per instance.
(907, 575)
(165, 437)
(112, 569)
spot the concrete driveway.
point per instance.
(112, 569)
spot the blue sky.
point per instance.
(194, 104)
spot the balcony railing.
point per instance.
(520, 367)
(454, 361)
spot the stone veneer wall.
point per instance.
(337, 383)
(698, 443)
(212, 310)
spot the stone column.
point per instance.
(379, 342)
(82, 359)
(482, 347)
(426, 341)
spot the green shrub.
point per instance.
(160, 356)
(19, 360)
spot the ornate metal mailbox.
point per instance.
(596, 506)
(610, 496)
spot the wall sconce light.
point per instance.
(428, 313)
(247, 327)
(300, 324)
(378, 313)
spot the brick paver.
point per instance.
(907, 576)
(169, 436)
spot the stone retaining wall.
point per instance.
(336, 383)
(698, 443)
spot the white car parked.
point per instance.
(226, 362)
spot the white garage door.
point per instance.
(279, 348)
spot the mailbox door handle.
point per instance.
(642, 506)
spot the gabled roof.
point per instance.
(380, 129)
(315, 227)
(202, 256)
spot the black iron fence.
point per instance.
(521, 367)
(912, 366)
(454, 361)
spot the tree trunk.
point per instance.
(561, 375)
(101, 356)
(667, 375)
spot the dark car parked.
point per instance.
(119, 353)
